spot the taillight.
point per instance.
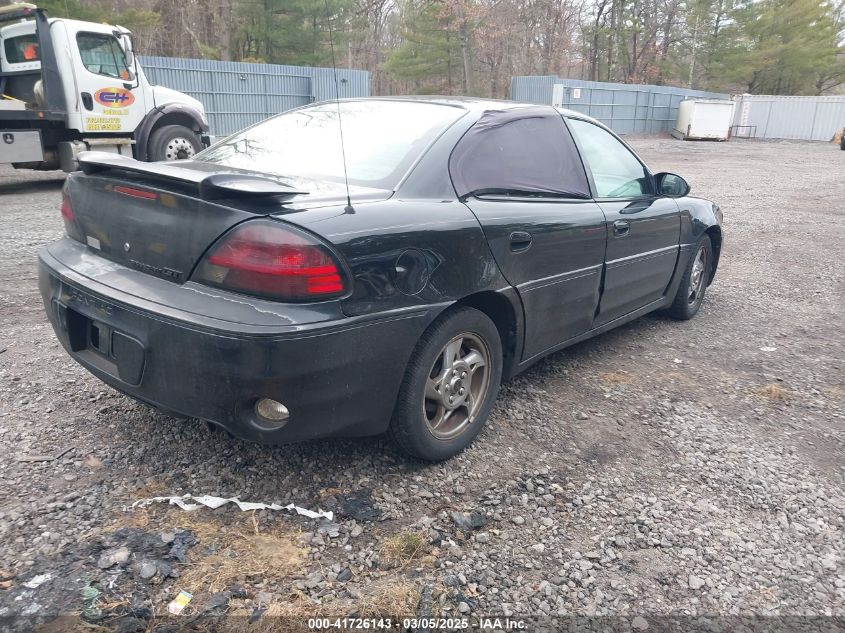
(67, 210)
(69, 217)
(269, 260)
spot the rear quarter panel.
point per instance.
(406, 254)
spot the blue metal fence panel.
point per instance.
(624, 108)
(238, 94)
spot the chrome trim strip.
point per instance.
(556, 279)
(642, 256)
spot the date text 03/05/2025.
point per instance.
(492, 623)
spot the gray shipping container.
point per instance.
(784, 117)
(624, 108)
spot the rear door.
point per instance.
(520, 174)
(643, 229)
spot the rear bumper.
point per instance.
(337, 377)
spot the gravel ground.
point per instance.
(663, 468)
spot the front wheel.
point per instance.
(694, 282)
(173, 142)
(450, 386)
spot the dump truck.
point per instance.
(67, 86)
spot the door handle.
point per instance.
(87, 100)
(621, 228)
(520, 241)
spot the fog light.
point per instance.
(271, 410)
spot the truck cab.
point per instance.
(68, 86)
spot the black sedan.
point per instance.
(292, 283)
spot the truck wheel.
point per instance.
(173, 142)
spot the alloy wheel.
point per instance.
(457, 386)
(697, 275)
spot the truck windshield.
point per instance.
(21, 49)
(382, 139)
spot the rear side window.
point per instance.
(102, 55)
(526, 150)
(22, 49)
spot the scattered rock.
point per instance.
(344, 575)
(217, 600)
(695, 582)
(467, 522)
(131, 625)
(359, 505)
(114, 557)
(147, 570)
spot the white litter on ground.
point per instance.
(37, 581)
(215, 502)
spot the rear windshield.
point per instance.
(21, 49)
(381, 138)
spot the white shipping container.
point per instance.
(705, 119)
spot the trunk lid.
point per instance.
(161, 218)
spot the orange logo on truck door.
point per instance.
(114, 97)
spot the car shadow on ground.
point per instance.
(603, 344)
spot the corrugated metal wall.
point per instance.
(238, 94)
(805, 118)
(624, 108)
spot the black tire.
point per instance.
(686, 305)
(173, 142)
(410, 427)
(842, 141)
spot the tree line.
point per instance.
(474, 47)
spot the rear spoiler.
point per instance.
(209, 186)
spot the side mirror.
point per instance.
(671, 185)
(128, 48)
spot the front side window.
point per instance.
(22, 49)
(102, 55)
(519, 152)
(382, 139)
(616, 171)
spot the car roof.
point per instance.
(476, 104)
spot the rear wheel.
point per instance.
(694, 282)
(173, 142)
(450, 386)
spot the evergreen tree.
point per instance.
(293, 31)
(430, 52)
(784, 47)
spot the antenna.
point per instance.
(348, 208)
